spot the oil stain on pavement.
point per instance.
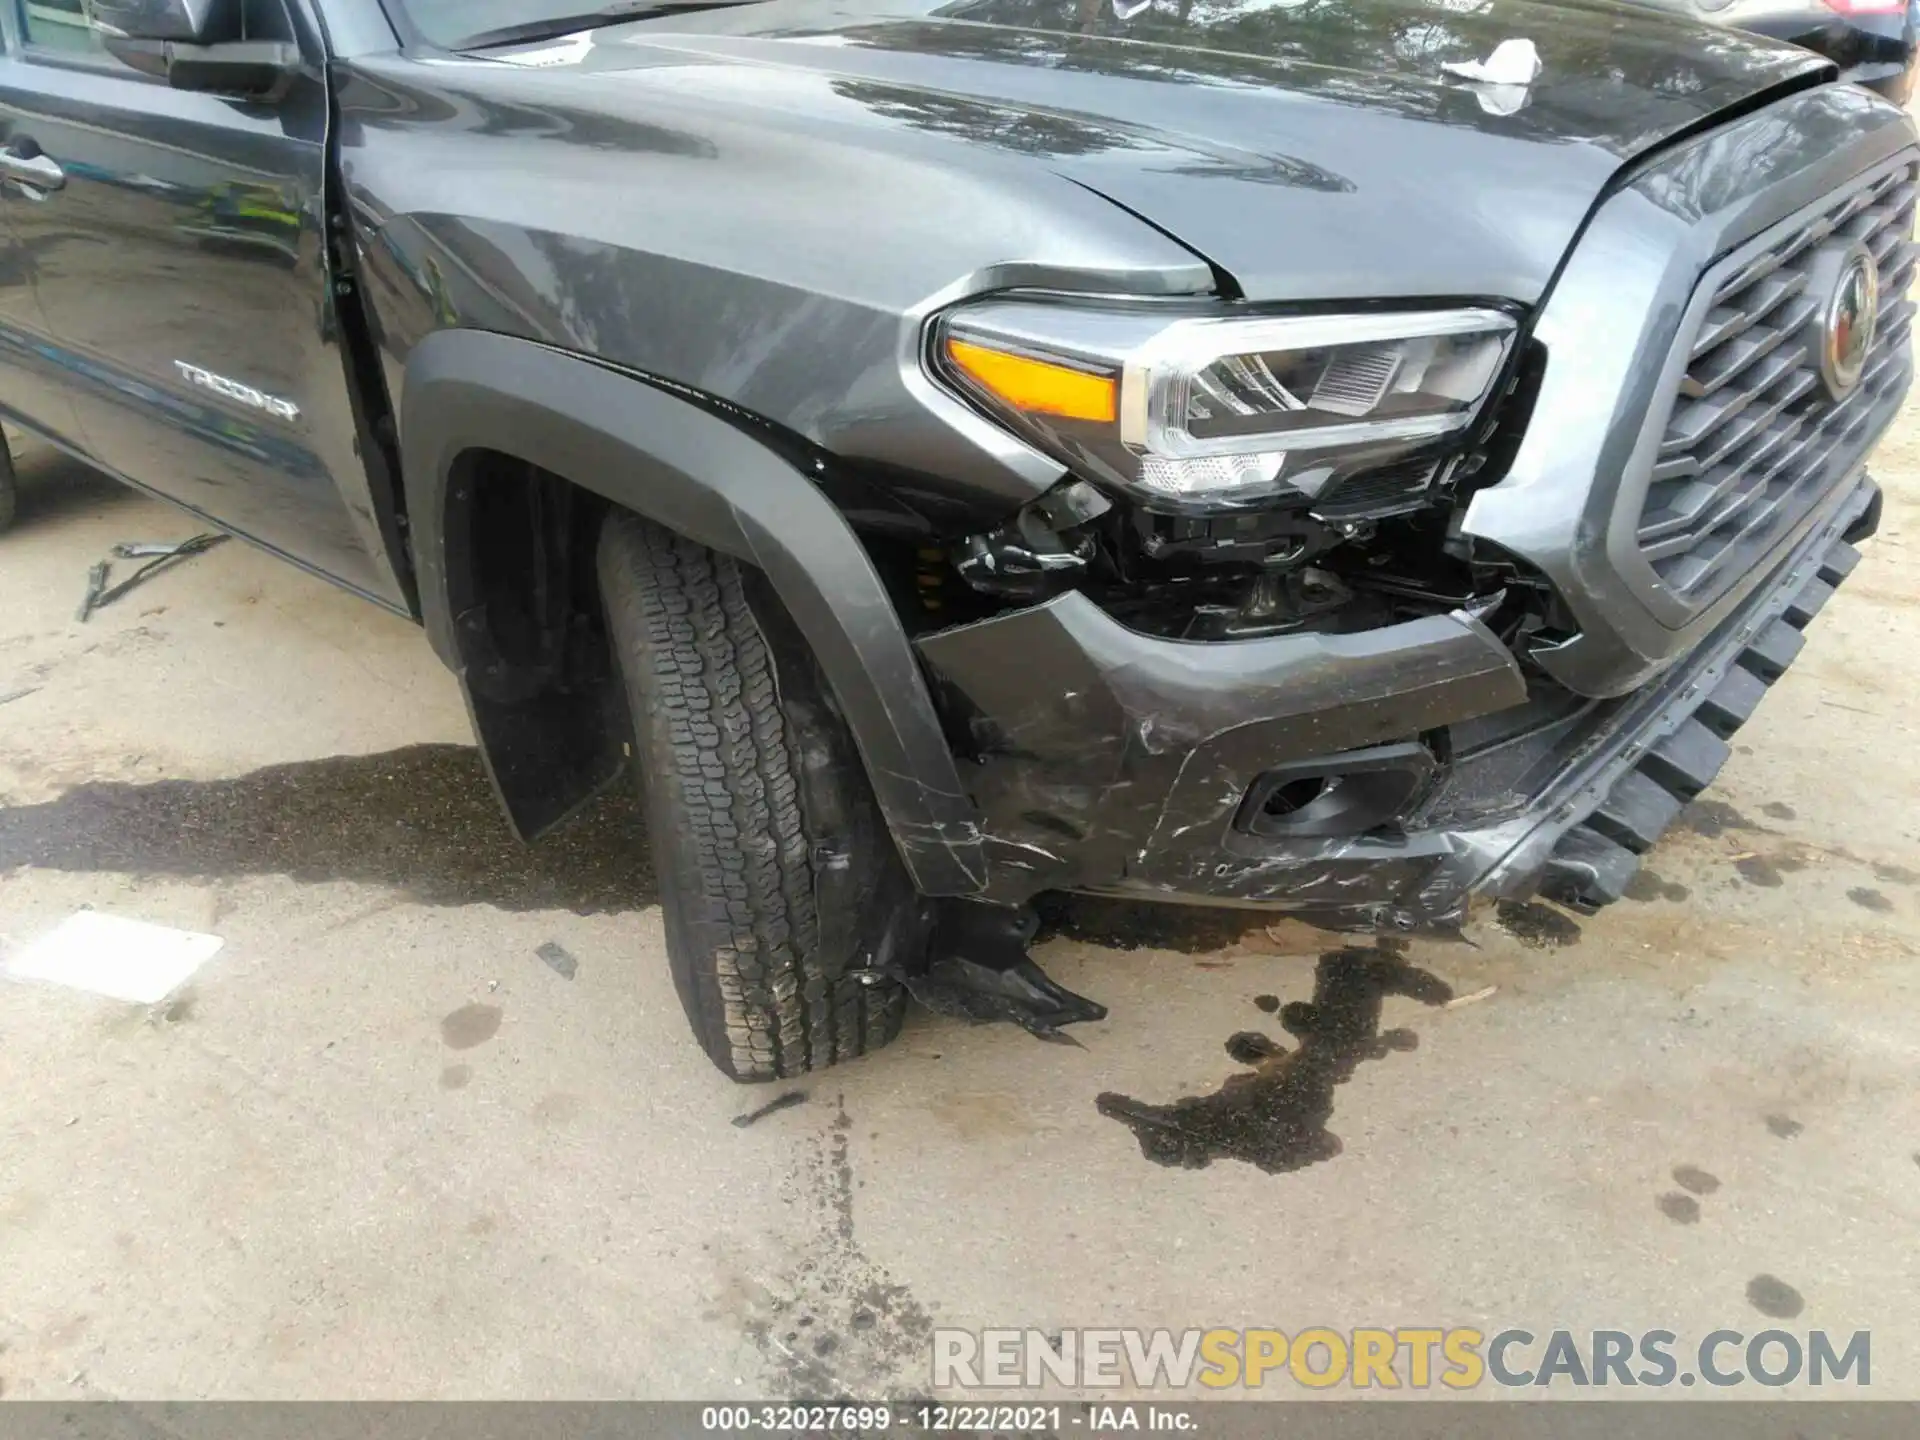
(837, 1323)
(469, 1026)
(1646, 886)
(1769, 871)
(1692, 1178)
(1274, 1116)
(421, 819)
(1538, 927)
(1773, 1296)
(1126, 925)
(1681, 1209)
(1714, 818)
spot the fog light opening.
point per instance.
(1295, 796)
(1345, 794)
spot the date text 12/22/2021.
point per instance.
(916, 1419)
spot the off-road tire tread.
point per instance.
(718, 772)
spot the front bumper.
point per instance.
(1119, 763)
(1688, 512)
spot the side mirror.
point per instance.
(193, 21)
(191, 45)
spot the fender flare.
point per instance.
(658, 455)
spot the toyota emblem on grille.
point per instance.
(1847, 320)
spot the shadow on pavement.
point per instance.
(422, 819)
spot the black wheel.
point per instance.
(774, 863)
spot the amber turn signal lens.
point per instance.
(1035, 386)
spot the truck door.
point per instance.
(33, 392)
(176, 248)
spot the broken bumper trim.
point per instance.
(1111, 758)
(1592, 863)
(1115, 764)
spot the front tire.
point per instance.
(731, 775)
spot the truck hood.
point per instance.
(1309, 149)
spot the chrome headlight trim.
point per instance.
(1260, 387)
(1188, 346)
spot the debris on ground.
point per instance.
(7, 697)
(559, 959)
(159, 556)
(1021, 993)
(122, 959)
(779, 1102)
(1485, 992)
(96, 587)
(979, 971)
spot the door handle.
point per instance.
(26, 165)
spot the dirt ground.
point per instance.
(379, 1147)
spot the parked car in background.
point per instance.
(1872, 41)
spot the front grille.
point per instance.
(1755, 440)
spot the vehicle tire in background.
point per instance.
(9, 487)
(736, 750)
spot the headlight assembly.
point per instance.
(1210, 412)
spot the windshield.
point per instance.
(449, 22)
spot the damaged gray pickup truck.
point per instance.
(1193, 450)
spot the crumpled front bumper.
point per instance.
(1665, 744)
(1119, 763)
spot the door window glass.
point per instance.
(62, 24)
(58, 25)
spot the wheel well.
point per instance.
(531, 634)
(545, 728)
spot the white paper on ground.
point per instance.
(125, 959)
